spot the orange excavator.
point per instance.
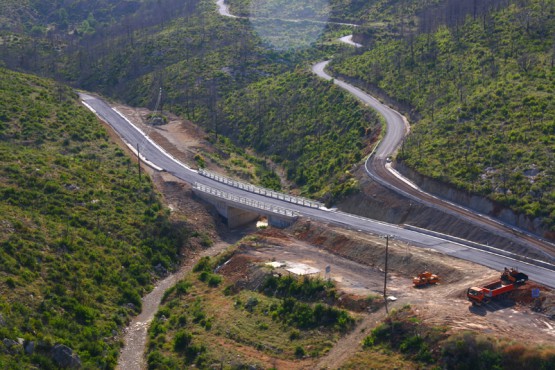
(425, 278)
(512, 275)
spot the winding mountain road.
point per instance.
(376, 167)
(157, 156)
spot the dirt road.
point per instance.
(178, 197)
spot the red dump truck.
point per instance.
(509, 280)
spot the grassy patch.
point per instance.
(412, 344)
(80, 235)
(245, 328)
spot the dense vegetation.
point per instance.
(219, 80)
(78, 17)
(215, 71)
(322, 132)
(81, 237)
(402, 341)
(484, 92)
(203, 323)
(345, 11)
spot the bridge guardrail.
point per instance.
(248, 202)
(260, 190)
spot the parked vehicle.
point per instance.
(510, 279)
(425, 278)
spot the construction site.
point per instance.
(437, 287)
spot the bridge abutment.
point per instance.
(239, 213)
(239, 217)
(280, 222)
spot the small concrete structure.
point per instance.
(240, 211)
(296, 268)
(235, 216)
(301, 269)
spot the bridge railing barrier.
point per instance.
(260, 190)
(246, 201)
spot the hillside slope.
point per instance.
(82, 238)
(484, 96)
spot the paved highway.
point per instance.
(156, 155)
(397, 125)
(379, 170)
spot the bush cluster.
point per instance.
(305, 288)
(306, 316)
(303, 315)
(204, 268)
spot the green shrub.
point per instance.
(155, 360)
(306, 288)
(251, 303)
(214, 280)
(182, 340)
(182, 287)
(305, 316)
(203, 265)
(10, 282)
(468, 350)
(200, 161)
(368, 341)
(204, 276)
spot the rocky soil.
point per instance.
(356, 264)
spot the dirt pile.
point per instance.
(544, 303)
(370, 251)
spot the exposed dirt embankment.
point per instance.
(370, 250)
(377, 202)
(476, 202)
(456, 276)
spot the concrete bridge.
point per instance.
(260, 190)
(240, 210)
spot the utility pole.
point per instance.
(385, 276)
(158, 101)
(139, 161)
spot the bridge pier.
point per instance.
(239, 217)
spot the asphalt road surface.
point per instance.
(378, 168)
(155, 154)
